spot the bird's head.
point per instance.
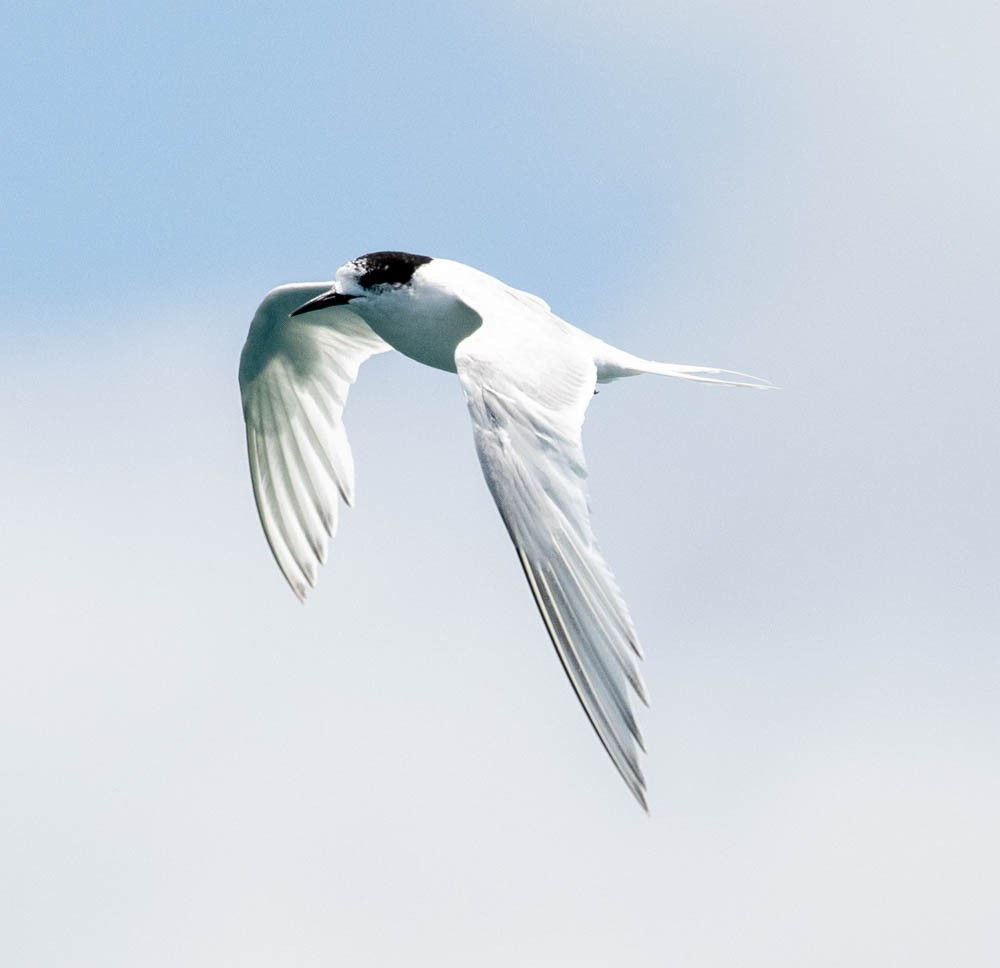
(366, 279)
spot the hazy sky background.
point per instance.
(198, 771)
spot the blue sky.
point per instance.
(199, 771)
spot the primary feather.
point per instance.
(295, 374)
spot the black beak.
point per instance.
(322, 301)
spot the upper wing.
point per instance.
(295, 373)
(527, 394)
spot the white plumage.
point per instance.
(528, 377)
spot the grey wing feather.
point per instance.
(295, 374)
(532, 458)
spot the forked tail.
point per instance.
(613, 364)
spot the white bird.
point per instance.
(528, 377)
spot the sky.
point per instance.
(196, 770)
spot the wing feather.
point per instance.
(295, 375)
(527, 402)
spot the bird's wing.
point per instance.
(527, 397)
(295, 374)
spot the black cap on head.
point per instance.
(388, 268)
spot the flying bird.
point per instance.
(527, 376)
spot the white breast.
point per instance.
(422, 321)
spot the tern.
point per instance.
(527, 376)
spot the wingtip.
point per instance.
(299, 588)
(636, 781)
